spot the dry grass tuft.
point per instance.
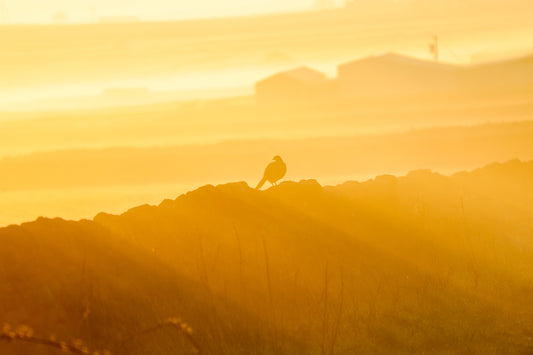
(25, 334)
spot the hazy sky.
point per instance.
(42, 11)
(80, 10)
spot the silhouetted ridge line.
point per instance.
(514, 168)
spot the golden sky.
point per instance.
(38, 11)
(29, 11)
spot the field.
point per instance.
(397, 214)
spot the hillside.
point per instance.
(423, 263)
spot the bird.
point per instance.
(273, 172)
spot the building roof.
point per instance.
(302, 74)
(395, 59)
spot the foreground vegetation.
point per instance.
(418, 264)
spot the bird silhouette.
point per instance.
(273, 172)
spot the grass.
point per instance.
(25, 334)
(293, 270)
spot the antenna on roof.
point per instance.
(4, 13)
(434, 48)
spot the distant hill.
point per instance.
(443, 149)
(417, 264)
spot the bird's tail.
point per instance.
(261, 183)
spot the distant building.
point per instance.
(293, 87)
(394, 75)
(382, 77)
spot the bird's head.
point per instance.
(277, 158)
